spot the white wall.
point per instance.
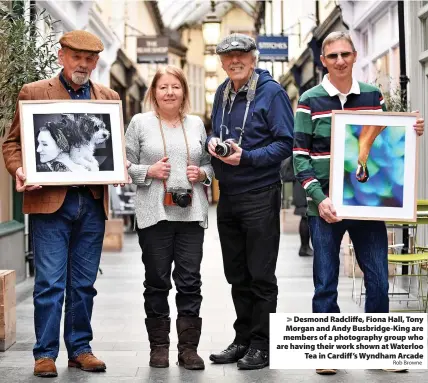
(417, 70)
(84, 15)
(374, 30)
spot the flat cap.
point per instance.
(236, 42)
(81, 41)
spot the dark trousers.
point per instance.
(370, 242)
(162, 244)
(249, 227)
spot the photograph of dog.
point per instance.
(89, 132)
(73, 142)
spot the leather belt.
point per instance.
(266, 188)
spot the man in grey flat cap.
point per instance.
(67, 223)
(252, 123)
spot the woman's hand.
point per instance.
(160, 169)
(195, 174)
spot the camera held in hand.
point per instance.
(225, 149)
(178, 197)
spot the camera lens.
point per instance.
(222, 149)
(183, 200)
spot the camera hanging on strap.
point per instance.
(176, 196)
(224, 148)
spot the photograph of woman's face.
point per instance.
(47, 147)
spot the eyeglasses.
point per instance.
(335, 56)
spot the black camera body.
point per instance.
(178, 197)
(225, 149)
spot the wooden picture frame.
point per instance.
(73, 142)
(374, 165)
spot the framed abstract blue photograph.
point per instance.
(373, 165)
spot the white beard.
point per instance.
(79, 79)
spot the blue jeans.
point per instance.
(370, 242)
(67, 248)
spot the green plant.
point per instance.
(393, 97)
(394, 102)
(27, 54)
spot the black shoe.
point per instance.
(306, 251)
(232, 354)
(254, 359)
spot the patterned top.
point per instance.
(54, 166)
(312, 132)
(144, 147)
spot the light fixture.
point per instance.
(210, 63)
(209, 97)
(211, 83)
(379, 64)
(211, 27)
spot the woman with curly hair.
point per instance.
(54, 149)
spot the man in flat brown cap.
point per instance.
(67, 223)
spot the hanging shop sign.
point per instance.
(152, 50)
(272, 48)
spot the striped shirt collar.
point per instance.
(333, 91)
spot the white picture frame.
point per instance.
(73, 142)
(389, 143)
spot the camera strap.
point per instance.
(251, 94)
(164, 144)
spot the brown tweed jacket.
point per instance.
(49, 198)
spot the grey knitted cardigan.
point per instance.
(144, 147)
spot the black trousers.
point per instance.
(165, 243)
(249, 229)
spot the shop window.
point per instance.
(425, 34)
(396, 66)
(195, 75)
(380, 28)
(382, 74)
(365, 43)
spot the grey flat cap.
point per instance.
(236, 42)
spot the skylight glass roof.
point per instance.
(176, 13)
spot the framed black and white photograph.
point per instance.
(73, 142)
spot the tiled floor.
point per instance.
(120, 338)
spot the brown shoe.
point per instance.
(395, 369)
(158, 331)
(325, 371)
(87, 362)
(45, 367)
(189, 333)
(159, 357)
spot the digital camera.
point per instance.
(225, 149)
(178, 197)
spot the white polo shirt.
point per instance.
(333, 91)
